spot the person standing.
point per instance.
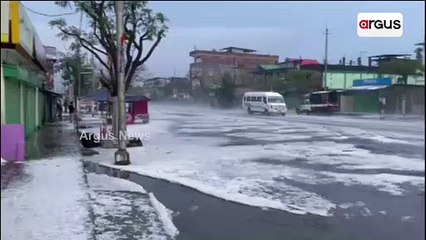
(66, 106)
(71, 110)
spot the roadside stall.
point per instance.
(137, 109)
(136, 105)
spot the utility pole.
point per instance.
(121, 156)
(326, 57)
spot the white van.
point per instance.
(264, 102)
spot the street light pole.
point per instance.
(121, 156)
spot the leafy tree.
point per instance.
(68, 67)
(142, 25)
(225, 94)
(402, 68)
(275, 83)
(303, 81)
(419, 53)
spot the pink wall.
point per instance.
(13, 142)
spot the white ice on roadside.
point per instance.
(383, 212)
(165, 215)
(104, 182)
(157, 219)
(3, 161)
(351, 205)
(385, 182)
(365, 212)
(193, 151)
(48, 202)
(379, 137)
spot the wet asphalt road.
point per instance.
(202, 216)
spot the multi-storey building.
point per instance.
(211, 67)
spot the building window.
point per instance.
(198, 60)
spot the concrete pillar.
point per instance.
(3, 103)
(344, 84)
(404, 102)
(36, 108)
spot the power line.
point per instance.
(48, 15)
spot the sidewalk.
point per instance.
(52, 197)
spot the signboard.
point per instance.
(51, 53)
(5, 16)
(40, 53)
(372, 82)
(26, 31)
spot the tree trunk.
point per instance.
(115, 115)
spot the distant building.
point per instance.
(209, 67)
(161, 87)
(156, 82)
(51, 58)
(138, 82)
(339, 76)
(377, 60)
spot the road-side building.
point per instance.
(25, 85)
(339, 76)
(210, 66)
(156, 82)
(361, 85)
(364, 95)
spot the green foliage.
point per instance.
(402, 67)
(276, 83)
(141, 25)
(68, 66)
(303, 81)
(419, 53)
(225, 94)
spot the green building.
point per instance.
(26, 82)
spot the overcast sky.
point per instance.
(287, 29)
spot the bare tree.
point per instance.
(142, 25)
